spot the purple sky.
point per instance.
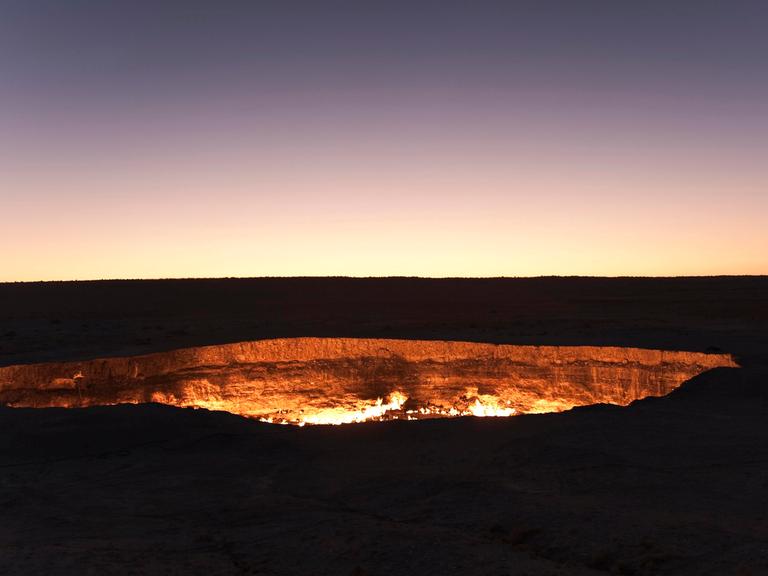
(167, 139)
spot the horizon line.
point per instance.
(388, 277)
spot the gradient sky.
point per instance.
(177, 139)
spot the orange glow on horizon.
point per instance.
(464, 210)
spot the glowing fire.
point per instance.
(375, 411)
(392, 409)
(480, 409)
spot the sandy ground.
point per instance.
(677, 485)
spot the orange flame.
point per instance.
(392, 409)
(375, 411)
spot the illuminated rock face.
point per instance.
(334, 380)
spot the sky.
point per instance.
(155, 139)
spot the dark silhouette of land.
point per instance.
(78, 320)
(673, 485)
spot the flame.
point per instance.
(392, 409)
(341, 415)
(487, 406)
(480, 409)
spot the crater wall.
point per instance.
(296, 378)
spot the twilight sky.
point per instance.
(303, 137)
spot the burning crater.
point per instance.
(343, 380)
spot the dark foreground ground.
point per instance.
(668, 486)
(677, 485)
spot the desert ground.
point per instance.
(672, 485)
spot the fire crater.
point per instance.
(343, 380)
